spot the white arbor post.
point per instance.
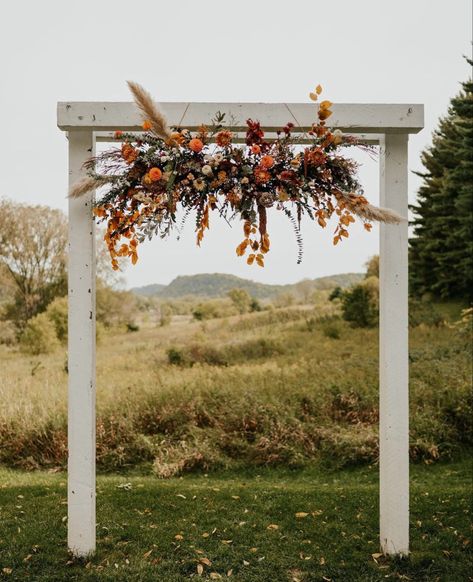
(394, 362)
(81, 356)
(387, 124)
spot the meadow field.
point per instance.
(285, 386)
(240, 447)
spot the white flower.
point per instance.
(207, 170)
(338, 133)
(218, 158)
(164, 158)
(208, 158)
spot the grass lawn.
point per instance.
(274, 525)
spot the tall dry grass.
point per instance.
(287, 392)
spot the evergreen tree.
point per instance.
(441, 253)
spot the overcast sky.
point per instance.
(373, 51)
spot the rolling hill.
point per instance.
(218, 285)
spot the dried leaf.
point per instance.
(313, 96)
(301, 514)
(273, 526)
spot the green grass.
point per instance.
(223, 520)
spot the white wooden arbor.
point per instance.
(389, 125)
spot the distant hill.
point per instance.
(149, 290)
(218, 284)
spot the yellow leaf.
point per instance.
(301, 514)
(272, 526)
(147, 554)
(325, 104)
(205, 561)
(251, 259)
(318, 89)
(313, 96)
(178, 537)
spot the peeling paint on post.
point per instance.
(394, 363)
(81, 356)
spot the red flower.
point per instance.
(289, 176)
(254, 134)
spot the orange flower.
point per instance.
(255, 149)
(267, 162)
(129, 153)
(262, 175)
(118, 134)
(177, 137)
(224, 138)
(155, 174)
(196, 145)
(146, 125)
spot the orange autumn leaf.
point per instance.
(325, 104)
(324, 114)
(241, 248)
(318, 89)
(251, 259)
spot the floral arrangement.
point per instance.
(155, 174)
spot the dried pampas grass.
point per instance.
(150, 111)
(371, 212)
(88, 184)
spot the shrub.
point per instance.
(57, 314)
(360, 304)
(8, 333)
(331, 327)
(423, 312)
(39, 336)
(337, 293)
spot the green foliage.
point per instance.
(39, 336)
(115, 308)
(57, 314)
(33, 254)
(424, 312)
(372, 267)
(241, 299)
(360, 304)
(337, 293)
(331, 327)
(213, 309)
(441, 251)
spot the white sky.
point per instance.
(403, 51)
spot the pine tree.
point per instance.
(441, 253)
